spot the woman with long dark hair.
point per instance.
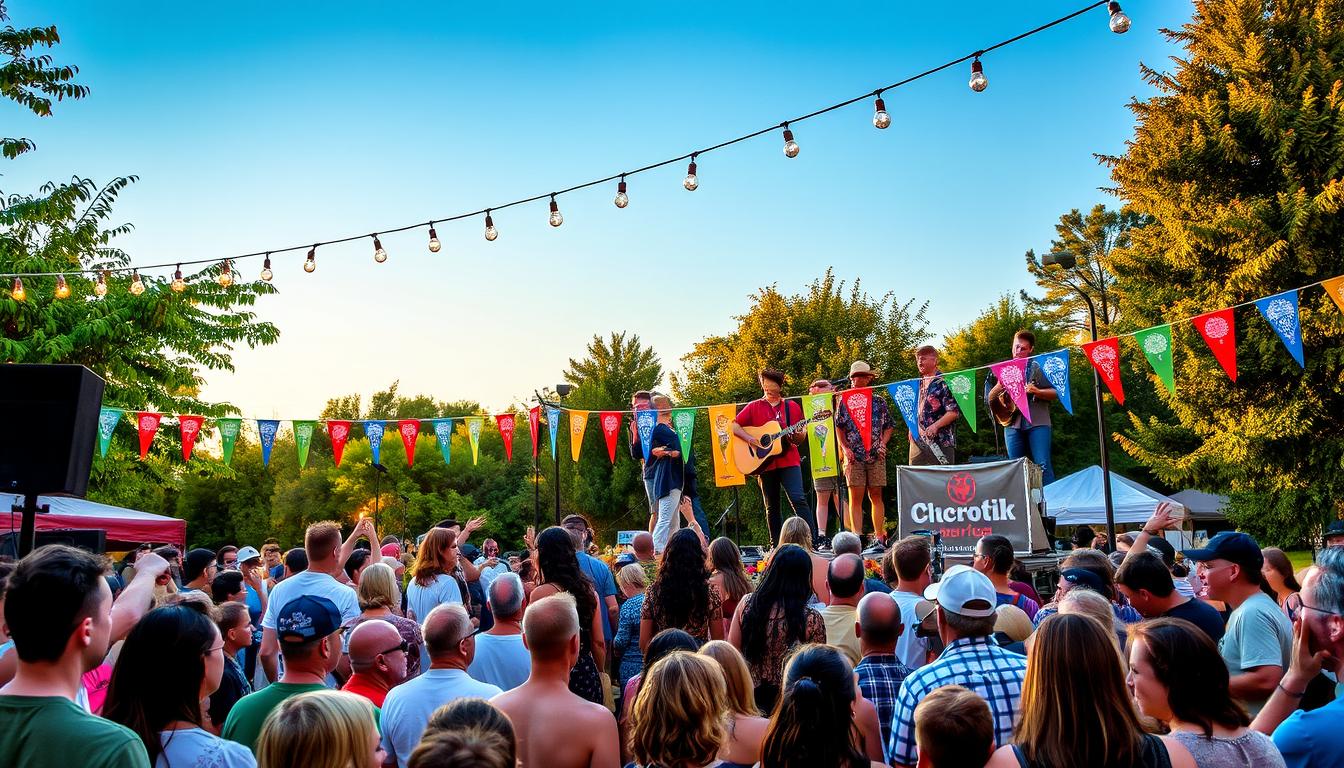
(774, 619)
(681, 597)
(171, 660)
(559, 569)
(814, 726)
(728, 576)
(1279, 576)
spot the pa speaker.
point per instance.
(94, 541)
(50, 418)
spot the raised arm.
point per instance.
(138, 596)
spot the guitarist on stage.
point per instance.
(1031, 440)
(785, 469)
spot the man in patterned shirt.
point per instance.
(865, 468)
(965, 599)
(936, 413)
(880, 672)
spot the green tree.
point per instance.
(1238, 161)
(1091, 239)
(32, 81)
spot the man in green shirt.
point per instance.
(309, 630)
(58, 608)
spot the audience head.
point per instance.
(1093, 562)
(738, 688)
(1083, 536)
(58, 607)
(320, 729)
(1091, 604)
(579, 531)
(357, 562)
(270, 552)
(1012, 624)
(226, 586)
(683, 592)
(551, 630)
(199, 563)
(378, 588)
(322, 542)
(1176, 672)
(448, 635)
(507, 598)
(813, 722)
(993, 554)
(437, 555)
(796, 531)
(1323, 590)
(630, 580)
(1145, 582)
(786, 586)
(846, 543)
(966, 601)
(666, 642)
(309, 630)
(879, 623)
(726, 560)
(1229, 565)
(844, 577)
(296, 561)
(678, 717)
(908, 561)
(643, 545)
(376, 648)
(466, 733)
(234, 624)
(227, 557)
(1278, 571)
(953, 729)
(1333, 536)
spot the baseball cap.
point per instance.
(391, 550)
(1333, 529)
(307, 617)
(924, 609)
(1081, 577)
(960, 587)
(248, 553)
(1233, 546)
(1163, 549)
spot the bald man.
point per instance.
(378, 659)
(880, 672)
(585, 736)
(644, 555)
(451, 643)
(844, 580)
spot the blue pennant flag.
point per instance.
(1055, 367)
(1280, 311)
(906, 395)
(267, 429)
(374, 431)
(644, 422)
(552, 425)
(443, 432)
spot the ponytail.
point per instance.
(811, 727)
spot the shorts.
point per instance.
(831, 483)
(872, 474)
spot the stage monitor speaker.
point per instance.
(94, 541)
(50, 414)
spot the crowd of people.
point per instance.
(348, 653)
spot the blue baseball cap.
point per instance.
(307, 617)
(1081, 577)
(1233, 546)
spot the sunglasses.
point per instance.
(471, 634)
(403, 646)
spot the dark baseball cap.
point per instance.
(1333, 529)
(306, 618)
(1163, 549)
(1233, 546)
(1081, 577)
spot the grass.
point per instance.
(1300, 558)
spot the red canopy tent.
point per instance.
(129, 526)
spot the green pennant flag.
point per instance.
(1156, 345)
(821, 435)
(303, 438)
(108, 418)
(683, 419)
(962, 386)
(228, 435)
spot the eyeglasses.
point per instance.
(471, 634)
(228, 563)
(404, 647)
(1294, 606)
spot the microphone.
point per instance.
(840, 383)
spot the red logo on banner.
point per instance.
(534, 426)
(1219, 330)
(859, 403)
(339, 432)
(148, 424)
(409, 429)
(961, 488)
(1105, 357)
(190, 427)
(611, 428)
(506, 424)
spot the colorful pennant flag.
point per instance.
(1334, 288)
(1219, 330)
(107, 424)
(443, 433)
(267, 429)
(611, 430)
(683, 420)
(339, 432)
(553, 426)
(821, 435)
(962, 386)
(1280, 311)
(1055, 367)
(1156, 345)
(303, 439)
(228, 435)
(148, 424)
(534, 427)
(1012, 376)
(906, 396)
(374, 429)
(725, 468)
(859, 403)
(1104, 354)
(189, 427)
(644, 422)
(578, 422)
(409, 429)
(474, 426)
(506, 423)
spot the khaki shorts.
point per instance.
(826, 483)
(871, 474)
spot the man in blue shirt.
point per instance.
(597, 571)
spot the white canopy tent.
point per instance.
(1201, 505)
(1079, 499)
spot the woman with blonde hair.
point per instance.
(432, 582)
(678, 719)
(378, 594)
(746, 727)
(1085, 602)
(796, 531)
(625, 643)
(727, 576)
(320, 729)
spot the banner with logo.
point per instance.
(443, 433)
(578, 422)
(228, 435)
(721, 425)
(534, 427)
(339, 432)
(189, 427)
(683, 420)
(1280, 311)
(906, 396)
(644, 422)
(1055, 368)
(1334, 288)
(303, 439)
(506, 423)
(611, 430)
(1104, 354)
(962, 386)
(474, 426)
(1012, 376)
(859, 403)
(821, 435)
(267, 429)
(1156, 345)
(965, 502)
(553, 427)
(107, 424)
(409, 429)
(147, 423)
(1219, 330)
(374, 429)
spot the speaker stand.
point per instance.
(28, 527)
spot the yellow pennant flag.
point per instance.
(1335, 287)
(578, 421)
(474, 425)
(721, 429)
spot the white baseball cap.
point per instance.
(961, 586)
(247, 553)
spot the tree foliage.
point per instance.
(1090, 239)
(32, 81)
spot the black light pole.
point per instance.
(560, 391)
(1067, 260)
(377, 489)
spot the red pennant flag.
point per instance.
(339, 432)
(148, 424)
(1105, 357)
(191, 427)
(1219, 330)
(534, 427)
(505, 422)
(611, 428)
(410, 430)
(859, 403)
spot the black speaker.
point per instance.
(94, 541)
(50, 418)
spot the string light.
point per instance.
(881, 120)
(225, 275)
(692, 182)
(978, 80)
(62, 287)
(379, 255)
(556, 217)
(137, 285)
(434, 244)
(17, 291)
(310, 263)
(266, 273)
(100, 287)
(1119, 21)
(622, 199)
(790, 146)
(490, 232)
(179, 285)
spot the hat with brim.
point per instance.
(861, 368)
(1081, 577)
(964, 591)
(307, 618)
(1232, 546)
(248, 553)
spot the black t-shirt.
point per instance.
(232, 687)
(1202, 615)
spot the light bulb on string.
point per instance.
(266, 273)
(17, 292)
(1119, 21)
(622, 199)
(691, 182)
(137, 285)
(225, 278)
(379, 255)
(100, 287)
(434, 244)
(179, 285)
(490, 232)
(556, 218)
(62, 287)
(310, 263)
(790, 146)
(978, 80)
(881, 120)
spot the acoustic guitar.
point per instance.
(771, 435)
(1003, 408)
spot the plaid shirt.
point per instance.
(975, 663)
(880, 677)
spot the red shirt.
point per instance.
(367, 686)
(760, 412)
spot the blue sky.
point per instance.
(256, 126)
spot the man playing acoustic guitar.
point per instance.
(784, 469)
(1030, 439)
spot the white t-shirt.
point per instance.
(407, 708)
(488, 575)
(501, 660)
(312, 584)
(911, 650)
(422, 600)
(195, 748)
